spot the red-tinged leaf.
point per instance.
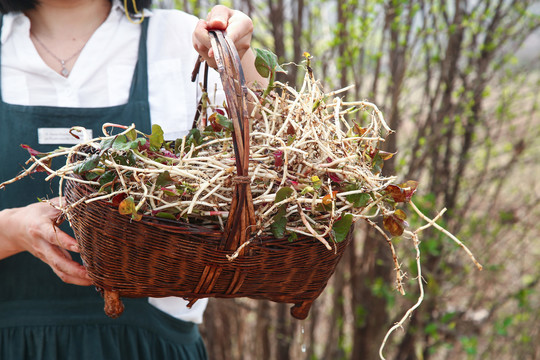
(396, 193)
(290, 130)
(31, 151)
(169, 192)
(117, 199)
(409, 188)
(213, 123)
(278, 157)
(335, 177)
(145, 146)
(402, 192)
(400, 214)
(220, 122)
(386, 155)
(393, 225)
(359, 130)
(127, 206)
(37, 154)
(224, 122)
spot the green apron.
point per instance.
(42, 317)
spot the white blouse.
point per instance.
(102, 77)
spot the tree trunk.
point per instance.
(370, 315)
(263, 330)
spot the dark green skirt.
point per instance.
(80, 330)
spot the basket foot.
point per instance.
(113, 305)
(300, 311)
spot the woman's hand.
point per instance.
(32, 228)
(239, 29)
(238, 25)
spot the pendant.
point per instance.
(64, 71)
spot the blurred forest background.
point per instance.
(459, 82)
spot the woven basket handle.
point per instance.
(241, 214)
(234, 85)
(241, 220)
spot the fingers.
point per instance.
(218, 17)
(55, 236)
(62, 264)
(240, 28)
(201, 42)
(238, 25)
(41, 238)
(43, 228)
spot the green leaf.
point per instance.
(224, 122)
(164, 179)
(91, 175)
(165, 215)
(293, 237)
(316, 182)
(131, 135)
(107, 144)
(107, 177)
(341, 227)
(290, 139)
(278, 227)
(193, 137)
(266, 63)
(283, 193)
(89, 164)
(359, 200)
(138, 142)
(156, 138)
(377, 164)
(281, 212)
(121, 143)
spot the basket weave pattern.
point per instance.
(159, 257)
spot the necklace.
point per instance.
(62, 62)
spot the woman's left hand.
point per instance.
(239, 29)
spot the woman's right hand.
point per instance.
(32, 228)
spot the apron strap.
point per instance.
(1, 26)
(139, 83)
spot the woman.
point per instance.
(86, 62)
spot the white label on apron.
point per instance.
(62, 136)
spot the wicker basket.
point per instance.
(158, 257)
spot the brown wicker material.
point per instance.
(159, 257)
